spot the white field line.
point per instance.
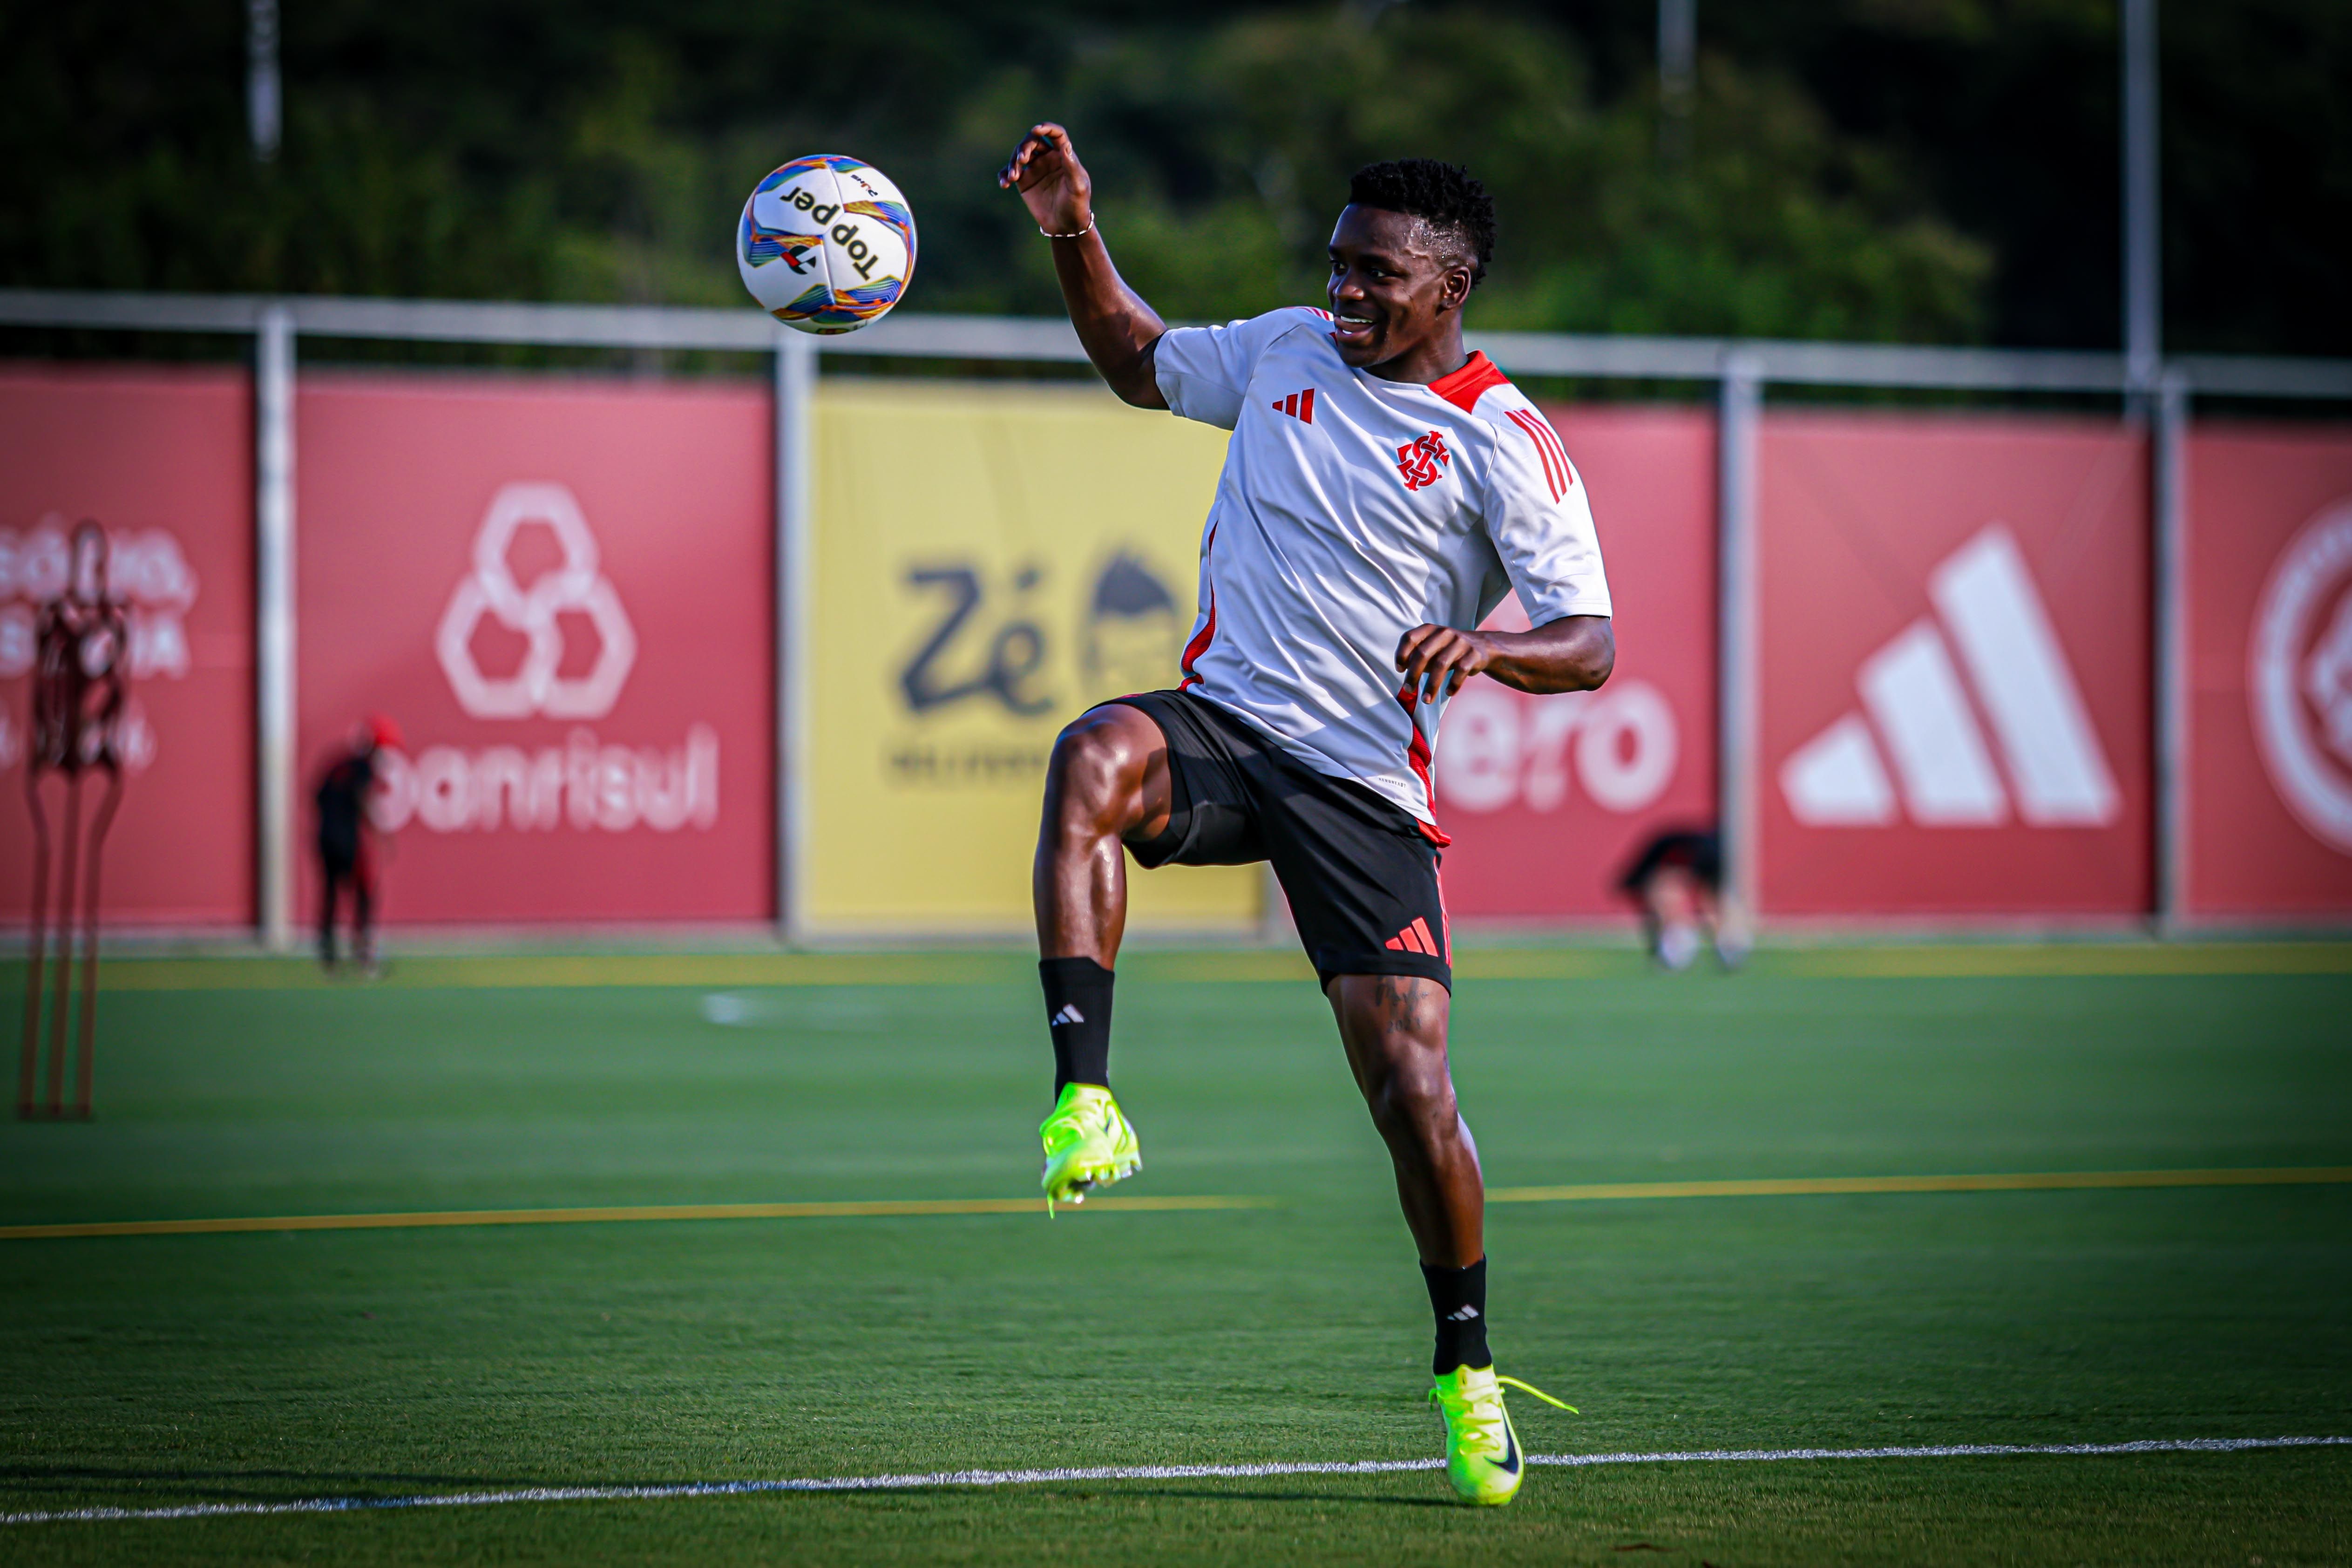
(1135, 1473)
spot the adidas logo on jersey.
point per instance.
(1299, 405)
(1415, 938)
(1068, 1015)
(1918, 710)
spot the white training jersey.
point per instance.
(1351, 511)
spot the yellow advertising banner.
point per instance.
(989, 563)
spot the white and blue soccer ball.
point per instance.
(826, 244)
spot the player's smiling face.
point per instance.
(1395, 284)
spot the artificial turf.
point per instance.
(155, 1370)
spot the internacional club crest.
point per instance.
(576, 586)
(1420, 460)
(2299, 670)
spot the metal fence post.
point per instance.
(2143, 280)
(795, 394)
(2169, 562)
(273, 617)
(1738, 408)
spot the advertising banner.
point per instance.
(1549, 798)
(2270, 652)
(1953, 666)
(163, 461)
(561, 591)
(988, 563)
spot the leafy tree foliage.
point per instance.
(1891, 169)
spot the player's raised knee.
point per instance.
(1094, 768)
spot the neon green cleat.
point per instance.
(1087, 1144)
(1482, 1452)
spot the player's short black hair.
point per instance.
(1443, 195)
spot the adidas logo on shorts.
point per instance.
(1414, 938)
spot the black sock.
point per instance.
(1458, 1298)
(1078, 1009)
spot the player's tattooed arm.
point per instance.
(1117, 328)
(1574, 653)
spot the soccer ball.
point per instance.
(826, 244)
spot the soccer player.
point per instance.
(1382, 492)
(1677, 882)
(344, 849)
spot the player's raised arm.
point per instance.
(1116, 327)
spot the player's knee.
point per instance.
(1086, 776)
(1409, 1103)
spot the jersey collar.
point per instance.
(1463, 387)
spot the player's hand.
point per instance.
(1053, 183)
(1437, 660)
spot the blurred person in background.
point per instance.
(1677, 882)
(344, 852)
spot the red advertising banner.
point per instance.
(561, 591)
(1548, 798)
(2270, 682)
(1953, 666)
(162, 459)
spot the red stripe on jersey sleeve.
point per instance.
(1542, 455)
(1567, 469)
(1555, 468)
(1307, 405)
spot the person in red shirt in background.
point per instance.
(344, 852)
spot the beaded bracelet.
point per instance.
(1080, 234)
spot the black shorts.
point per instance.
(1359, 872)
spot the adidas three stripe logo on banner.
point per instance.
(1918, 710)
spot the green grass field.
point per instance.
(146, 1371)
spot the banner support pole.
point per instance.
(2143, 323)
(274, 628)
(1738, 410)
(2168, 474)
(795, 371)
